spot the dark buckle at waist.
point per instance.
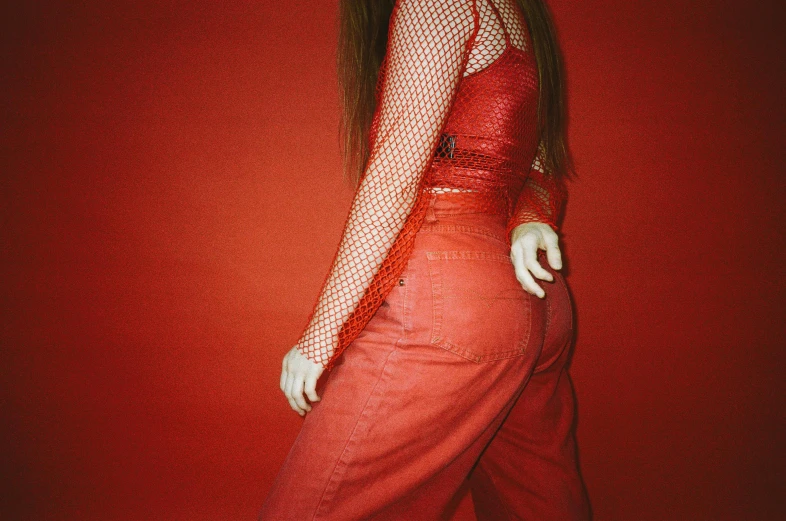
(446, 146)
(478, 150)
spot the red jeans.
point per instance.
(459, 375)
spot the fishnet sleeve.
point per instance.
(427, 51)
(542, 199)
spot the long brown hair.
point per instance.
(363, 33)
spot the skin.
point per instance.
(299, 375)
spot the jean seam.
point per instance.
(547, 363)
(436, 300)
(331, 486)
(405, 312)
(565, 287)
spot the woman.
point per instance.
(448, 359)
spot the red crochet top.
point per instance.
(457, 98)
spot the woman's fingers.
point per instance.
(527, 240)
(553, 253)
(310, 388)
(299, 375)
(297, 394)
(289, 393)
(523, 274)
(531, 258)
(283, 381)
(530, 285)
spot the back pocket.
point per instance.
(480, 310)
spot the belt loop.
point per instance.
(431, 216)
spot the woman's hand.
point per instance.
(525, 241)
(299, 375)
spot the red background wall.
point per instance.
(172, 199)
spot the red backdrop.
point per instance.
(172, 199)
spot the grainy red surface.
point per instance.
(172, 198)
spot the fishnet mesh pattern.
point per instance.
(542, 199)
(456, 111)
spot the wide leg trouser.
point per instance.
(459, 375)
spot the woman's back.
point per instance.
(490, 138)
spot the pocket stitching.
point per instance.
(468, 254)
(435, 274)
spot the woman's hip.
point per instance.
(459, 294)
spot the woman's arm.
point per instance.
(533, 226)
(542, 198)
(428, 46)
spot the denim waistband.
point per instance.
(467, 202)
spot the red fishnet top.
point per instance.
(457, 97)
